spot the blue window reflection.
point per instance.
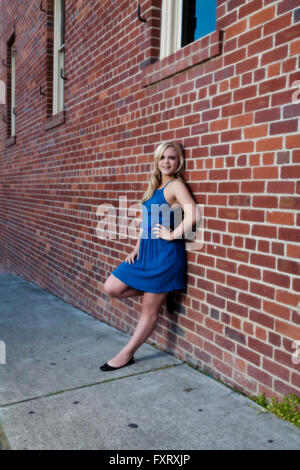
(199, 18)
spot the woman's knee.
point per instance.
(152, 304)
(110, 289)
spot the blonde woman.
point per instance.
(157, 265)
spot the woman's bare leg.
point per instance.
(146, 325)
(116, 288)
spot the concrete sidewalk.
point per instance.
(53, 395)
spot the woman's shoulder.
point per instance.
(178, 184)
(176, 191)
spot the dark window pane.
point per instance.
(62, 25)
(199, 18)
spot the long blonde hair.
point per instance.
(155, 179)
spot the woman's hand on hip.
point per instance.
(132, 255)
(162, 232)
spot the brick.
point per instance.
(248, 355)
(287, 298)
(265, 172)
(295, 47)
(244, 93)
(250, 7)
(296, 380)
(253, 187)
(277, 279)
(231, 135)
(279, 23)
(219, 125)
(242, 147)
(262, 290)
(290, 171)
(243, 120)
(274, 55)
(276, 369)
(281, 218)
(235, 335)
(235, 57)
(286, 5)
(214, 300)
(272, 85)
(262, 319)
(296, 285)
(283, 358)
(287, 35)
(256, 131)
(260, 46)
(264, 145)
(274, 69)
(250, 300)
(262, 16)
(288, 266)
(249, 271)
(287, 329)
(260, 347)
(214, 325)
(259, 375)
(296, 15)
(263, 260)
(285, 389)
(246, 65)
(274, 339)
(253, 215)
(282, 97)
(283, 157)
(291, 111)
(293, 141)
(257, 103)
(293, 251)
(236, 29)
(249, 36)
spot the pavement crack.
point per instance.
(80, 387)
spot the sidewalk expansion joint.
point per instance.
(80, 387)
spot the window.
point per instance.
(13, 91)
(59, 56)
(185, 21)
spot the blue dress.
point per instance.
(161, 265)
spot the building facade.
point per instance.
(91, 88)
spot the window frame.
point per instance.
(13, 90)
(194, 53)
(58, 58)
(171, 27)
(10, 92)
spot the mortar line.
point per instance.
(58, 392)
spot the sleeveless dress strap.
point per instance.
(166, 184)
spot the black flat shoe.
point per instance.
(106, 367)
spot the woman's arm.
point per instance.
(191, 212)
(137, 246)
(135, 253)
(190, 209)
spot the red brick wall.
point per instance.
(230, 99)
